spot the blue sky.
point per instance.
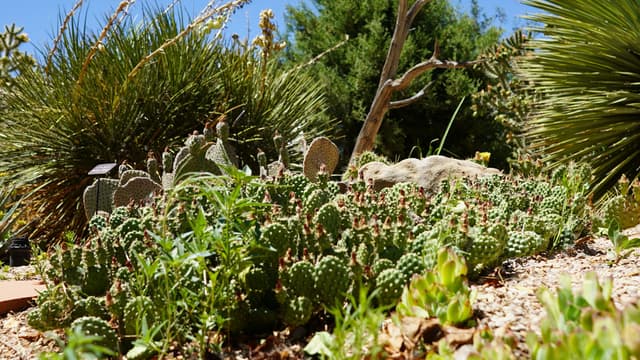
(40, 17)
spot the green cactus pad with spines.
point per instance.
(195, 143)
(129, 225)
(389, 285)
(277, 235)
(297, 183)
(257, 281)
(98, 223)
(136, 190)
(380, 265)
(330, 218)
(315, 200)
(118, 216)
(96, 280)
(555, 201)
(410, 264)
(71, 271)
(94, 326)
(523, 243)
(137, 308)
(91, 306)
(299, 279)
(331, 280)
(297, 311)
(153, 170)
(130, 174)
(483, 251)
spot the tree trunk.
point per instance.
(387, 86)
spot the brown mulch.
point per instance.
(506, 302)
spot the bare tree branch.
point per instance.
(413, 99)
(415, 9)
(387, 85)
(419, 69)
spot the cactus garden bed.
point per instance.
(508, 305)
(289, 264)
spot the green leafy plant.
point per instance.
(442, 292)
(622, 245)
(586, 324)
(154, 81)
(79, 345)
(355, 334)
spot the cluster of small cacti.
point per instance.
(307, 243)
(90, 279)
(325, 244)
(623, 207)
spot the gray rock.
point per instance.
(427, 172)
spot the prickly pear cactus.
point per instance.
(137, 308)
(96, 280)
(277, 235)
(315, 200)
(331, 280)
(410, 264)
(523, 243)
(299, 279)
(297, 311)
(137, 189)
(99, 196)
(222, 152)
(321, 154)
(484, 251)
(94, 326)
(389, 285)
(330, 218)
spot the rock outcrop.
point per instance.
(427, 172)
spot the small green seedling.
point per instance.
(622, 245)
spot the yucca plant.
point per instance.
(133, 88)
(587, 66)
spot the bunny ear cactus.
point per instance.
(152, 169)
(135, 186)
(95, 326)
(331, 280)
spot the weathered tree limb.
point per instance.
(387, 85)
(419, 69)
(408, 101)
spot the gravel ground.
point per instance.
(510, 304)
(507, 303)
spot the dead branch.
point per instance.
(388, 85)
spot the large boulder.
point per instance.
(427, 172)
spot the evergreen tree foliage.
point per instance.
(351, 73)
